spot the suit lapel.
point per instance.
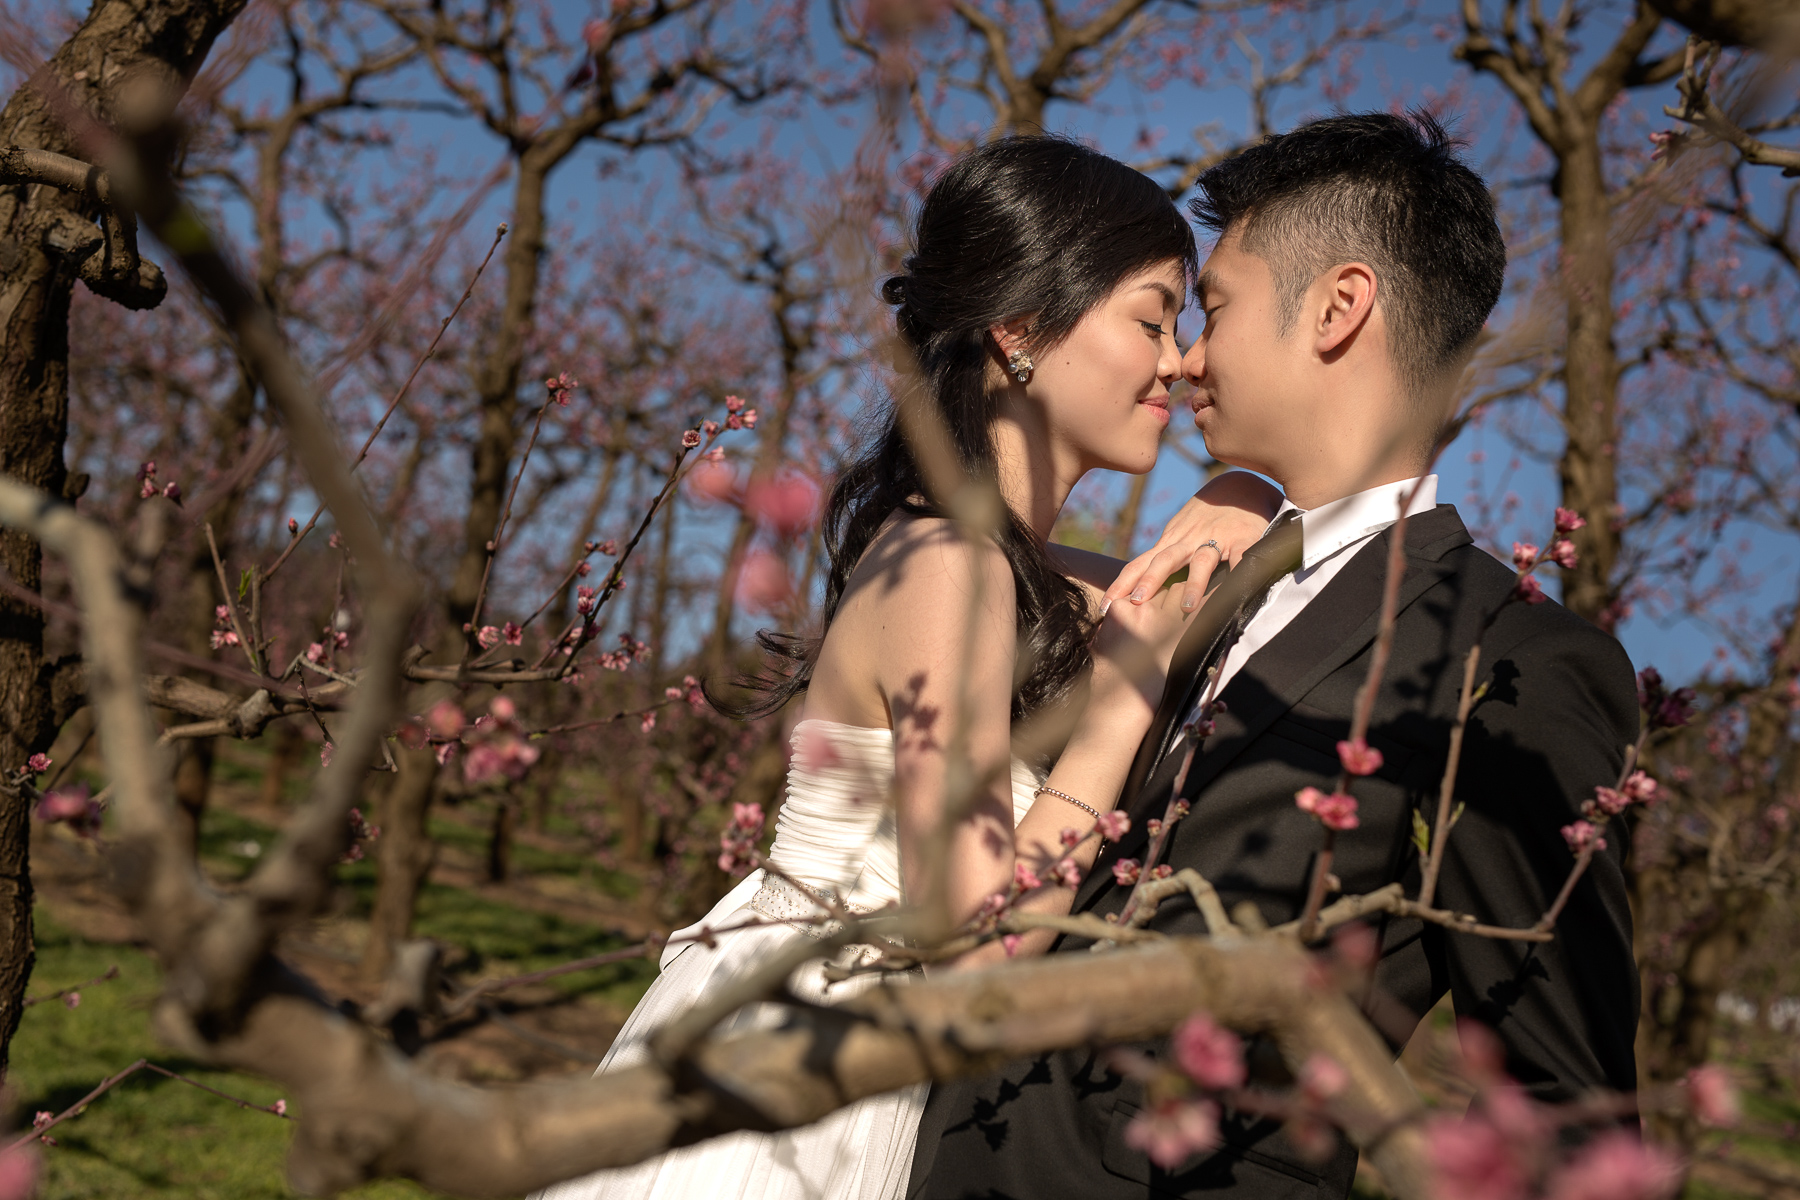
(1330, 631)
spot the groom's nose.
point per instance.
(1193, 363)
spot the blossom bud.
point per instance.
(1524, 555)
(1568, 520)
(1530, 591)
(1113, 825)
(1358, 757)
(1562, 553)
(690, 438)
(1126, 871)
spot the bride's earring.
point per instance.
(1021, 365)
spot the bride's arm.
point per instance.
(1131, 661)
(936, 623)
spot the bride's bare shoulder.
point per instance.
(917, 557)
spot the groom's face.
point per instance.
(1250, 398)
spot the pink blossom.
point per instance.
(1580, 835)
(748, 417)
(1472, 1160)
(315, 652)
(488, 637)
(1025, 879)
(512, 634)
(1611, 802)
(325, 754)
(1617, 1166)
(1211, 1055)
(1067, 873)
(37, 764)
(1069, 838)
(1010, 943)
(815, 748)
(503, 709)
(293, 527)
(172, 491)
(1161, 871)
(71, 805)
(1524, 555)
(1321, 1078)
(18, 1172)
(221, 614)
(1642, 788)
(1359, 758)
(690, 438)
(1356, 946)
(72, 1000)
(993, 905)
(596, 33)
(560, 386)
(713, 481)
(280, 1107)
(224, 637)
(1712, 1096)
(737, 841)
(584, 599)
(788, 504)
(710, 428)
(1562, 553)
(445, 720)
(1172, 1130)
(1126, 871)
(647, 723)
(1568, 520)
(763, 583)
(1113, 825)
(1336, 811)
(1530, 590)
(609, 548)
(734, 404)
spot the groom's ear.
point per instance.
(1345, 306)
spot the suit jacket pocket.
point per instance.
(1230, 1171)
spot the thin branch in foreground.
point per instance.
(41, 1128)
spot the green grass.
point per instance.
(153, 1137)
(149, 1137)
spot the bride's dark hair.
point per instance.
(1024, 226)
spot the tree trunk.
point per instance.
(500, 838)
(1588, 468)
(119, 41)
(403, 856)
(1125, 521)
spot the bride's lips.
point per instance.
(1158, 405)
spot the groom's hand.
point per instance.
(1225, 518)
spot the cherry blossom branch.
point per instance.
(1440, 830)
(40, 1128)
(230, 604)
(75, 990)
(299, 535)
(493, 546)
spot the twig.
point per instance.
(111, 972)
(112, 1081)
(231, 602)
(1441, 828)
(430, 352)
(493, 546)
(1171, 814)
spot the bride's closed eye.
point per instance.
(1153, 327)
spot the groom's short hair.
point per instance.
(1378, 188)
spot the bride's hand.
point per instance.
(1132, 651)
(1232, 511)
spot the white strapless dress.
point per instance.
(834, 833)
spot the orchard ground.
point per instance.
(154, 1137)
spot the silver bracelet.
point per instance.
(1065, 796)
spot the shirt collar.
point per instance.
(1330, 527)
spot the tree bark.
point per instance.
(403, 855)
(1588, 468)
(120, 41)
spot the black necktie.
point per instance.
(1210, 635)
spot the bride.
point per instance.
(1040, 303)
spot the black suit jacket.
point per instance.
(1560, 709)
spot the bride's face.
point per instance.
(1102, 395)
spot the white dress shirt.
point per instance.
(1330, 536)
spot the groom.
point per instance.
(1356, 262)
